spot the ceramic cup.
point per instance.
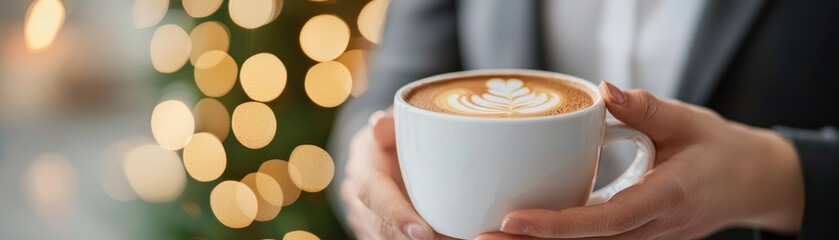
(464, 174)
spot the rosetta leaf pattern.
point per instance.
(503, 97)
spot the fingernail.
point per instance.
(615, 93)
(516, 226)
(416, 232)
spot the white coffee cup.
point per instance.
(464, 174)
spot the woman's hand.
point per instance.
(709, 173)
(373, 189)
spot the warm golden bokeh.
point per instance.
(211, 35)
(201, 8)
(215, 73)
(234, 204)
(172, 124)
(278, 169)
(371, 19)
(311, 168)
(254, 124)
(251, 14)
(43, 21)
(170, 48)
(263, 77)
(111, 175)
(300, 235)
(211, 116)
(269, 195)
(147, 13)
(328, 84)
(356, 61)
(324, 37)
(156, 174)
(51, 187)
(204, 157)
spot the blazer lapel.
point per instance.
(720, 33)
(500, 34)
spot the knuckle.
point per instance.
(389, 208)
(389, 230)
(619, 224)
(364, 194)
(383, 227)
(648, 105)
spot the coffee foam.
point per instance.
(500, 97)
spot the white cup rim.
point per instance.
(399, 98)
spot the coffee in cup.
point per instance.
(502, 96)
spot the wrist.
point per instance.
(779, 186)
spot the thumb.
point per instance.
(383, 128)
(661, 120)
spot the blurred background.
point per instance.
(175, 119)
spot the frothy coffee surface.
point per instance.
(500, 97)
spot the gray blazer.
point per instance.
(763, 63)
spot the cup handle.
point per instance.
(644, 158)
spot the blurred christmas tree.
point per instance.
(319, 71)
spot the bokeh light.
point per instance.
(263, 77)
(147, 13)
(156, 174)
(251, 14)
(371, 19)
(300, 235)
(43, 21)
(311, 168)
(211, 116)
(254, 124)
(146, 128)
(328, 84)
(355, 61)
(234, 204)
(170, 48)
(324, 37)
(211, 35)
(269, 195)
(278, 169)
(51, 186)
(204, 157)
(172, 124)
(111, 163)
(201, 8)
(215, 73)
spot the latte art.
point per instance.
(500, 96)
(503, 97)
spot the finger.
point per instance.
(661, 120)
(648, 231)
(502, 236)
(381, 194)
(627, 210)
(365, 156)
(383, 129)
(363, 222)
